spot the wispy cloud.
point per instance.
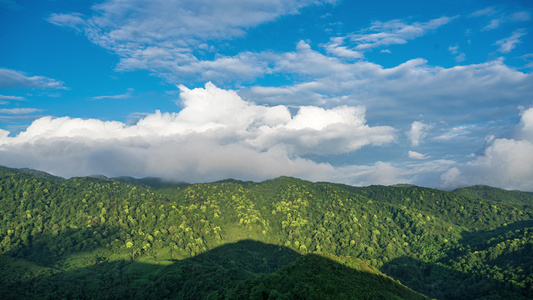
(455, 132)
(502, 18)
(120, 96)
(394, 32)
(158, 35)
(12, 79)
(12, 98)
(334, 47)
(528, 58)
(19, 111)
(416, 155)
(489, 11)
(10, 4)
(509, 43)
(459, 56)
(381, 34)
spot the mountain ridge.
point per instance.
(406, 232)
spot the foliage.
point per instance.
(141, 237)
(495, 194)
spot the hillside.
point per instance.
(151, 237)
(496, 194)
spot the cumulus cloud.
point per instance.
(506, 163)
(216, 135)
(12, 79)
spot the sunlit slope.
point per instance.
(94, 224)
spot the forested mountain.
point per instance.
(495, 194)
(279, 239)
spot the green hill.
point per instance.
(496, 194)
(131, 238)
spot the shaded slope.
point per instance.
(242, 270)
(493, 264)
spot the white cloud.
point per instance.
(416, 155)
(506, 163)
(521, 16)
(14, 98)
(409, 89)
(459, 56)
(120, 96)
(380, 173)
(495, 23)
(12, 79)
(334, 47)
(380, 34)
(394, 32)
(489, 11)
(215, 136)
(417, 132)
(18, 111)
(525, 129)
(72, 20)
(455, 132)
(509, 43)
(160, 35)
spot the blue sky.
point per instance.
(434, 93)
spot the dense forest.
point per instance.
(285, 238)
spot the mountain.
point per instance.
(151, 182)
(280, 238)
(496, 194)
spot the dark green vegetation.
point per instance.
(285, 238)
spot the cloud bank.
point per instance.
(219, 135)
(216, 135)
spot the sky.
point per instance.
(431, 93)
